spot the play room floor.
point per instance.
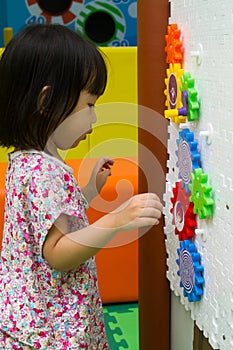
(121, 323)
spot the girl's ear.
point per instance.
(41, 100)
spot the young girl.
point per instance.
(50, 79)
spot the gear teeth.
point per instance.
(174, 47)
(184, 218)
(188, 157)
(188, 84)
(201, 194)
(173, 93)
(190, 271)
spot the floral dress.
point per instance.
(40, 307)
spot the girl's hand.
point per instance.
(101, 171)
(98, 178)
(141, 210)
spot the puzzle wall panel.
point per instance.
(206, 41)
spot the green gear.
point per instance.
(200, 194)
(187, 84)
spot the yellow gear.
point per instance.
(173, 93)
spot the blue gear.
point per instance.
(190, 271)
(188, 156)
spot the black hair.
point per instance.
(42, 72)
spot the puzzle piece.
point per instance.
(121, 323)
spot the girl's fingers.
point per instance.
(147, 221)
(152, 203)
(105, 163)
(147, 196)
(105, 166)
(151, 212)
(106, 160)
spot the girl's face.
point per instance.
(77, 125)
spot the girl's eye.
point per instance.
(91, 105)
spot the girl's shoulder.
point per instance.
(35, 168)
(37, 173)
(37, 161)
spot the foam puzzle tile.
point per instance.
(121, 323)
(112, 331)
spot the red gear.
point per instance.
(184, 218)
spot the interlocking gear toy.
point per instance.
(184, 110)
(184, 218)
(188, 85)
(173, 93)
(187, 155)
(201, 194)
(173, 48)
(190, 271)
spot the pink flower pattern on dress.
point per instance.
(40, 307)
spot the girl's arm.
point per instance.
(66, 252)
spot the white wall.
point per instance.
(182, 326)
(209, 23)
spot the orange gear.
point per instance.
(174, 47)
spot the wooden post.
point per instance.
(154, 294)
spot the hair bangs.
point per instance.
(96, 75)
